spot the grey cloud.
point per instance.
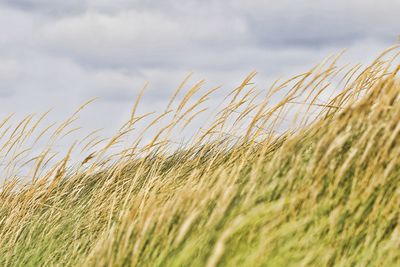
(6, 92)
(49, 7)
(320, 23)
(64, 8)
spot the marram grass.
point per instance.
(304, 174)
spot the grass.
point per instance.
(310, 179)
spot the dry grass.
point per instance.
(309, 180)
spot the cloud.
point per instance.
(49, 7)
(112, 39)
(320, 23)
(144, 39)
(9, 76)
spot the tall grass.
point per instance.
(303, 174)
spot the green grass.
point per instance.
(323, 193)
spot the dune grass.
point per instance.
(303, 174)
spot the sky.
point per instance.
(58, 54)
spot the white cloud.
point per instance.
(142, 38)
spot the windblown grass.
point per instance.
(310, 179)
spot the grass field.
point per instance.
(304, 174)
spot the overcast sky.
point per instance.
(58, 53)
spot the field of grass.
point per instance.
(305, 173)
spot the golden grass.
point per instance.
(309, 180)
